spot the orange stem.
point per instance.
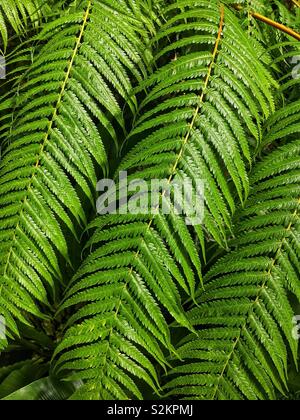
(271, 22)
(276, 25)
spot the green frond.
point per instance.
(17, 14)
(283, 124)
(67, 108)
(190, 100)
(146, 261)
(244, 314)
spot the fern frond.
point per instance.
(201, 87)
(69, 104)
(150, 261)
(16, 14)
(289, 59)
(283, 125)
(245, 316)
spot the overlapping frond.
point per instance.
(245, 317)
(284, 124)
(290, 13)
(262, 16)
(289, 62)
(142, 264)
(190, 102)
(17, 13)
(67, 106)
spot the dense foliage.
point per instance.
(145, 306)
